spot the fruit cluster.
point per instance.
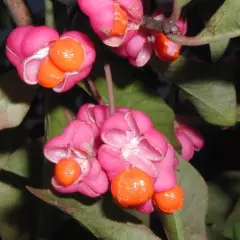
(118, 24)
(123, 149)
(41, 56)
(97, 151)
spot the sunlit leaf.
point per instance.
(218, 49)
(15, 99)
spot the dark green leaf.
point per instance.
(102, 221)
(15, 99)
(16, 211)
(208, 86)
(223, 210)
(219, 204)
(230, 183)
(14, 151)
(189, 222)
(56, 119)
(13, 212)
(238, 113)
(215, 235)
(232, 223)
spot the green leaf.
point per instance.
(135, 95)
(100, 217)
(15, 99)
(189, 222)
(218, 49)
(208, 86)
(224, 23)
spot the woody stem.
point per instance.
(108, 76)
(19, 11)
(94, 91)
(176, 11)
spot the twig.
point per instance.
(167, 26)
(94, 91)
(201, 40)
(108, 76)
(49, 13)
(70, 116)
(19, 11)
(176, 12)
(152, 24)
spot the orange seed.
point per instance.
(169, 201)
(132, 187)
(67, 54)
(49, 75)
(120, 21)
(67, 171)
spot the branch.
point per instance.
(19, 11)
(201, 40)
(152, 24)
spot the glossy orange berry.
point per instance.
(67, 171)
(132, 187)
(165, 49)
(120, 21)
(67, 54)
(169, 201)
(49, 75)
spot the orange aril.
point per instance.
(132, 187)
(67, 171)
(169, 201)
(49, 75)
(67, 54)
(120, 21)
(165, 49)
